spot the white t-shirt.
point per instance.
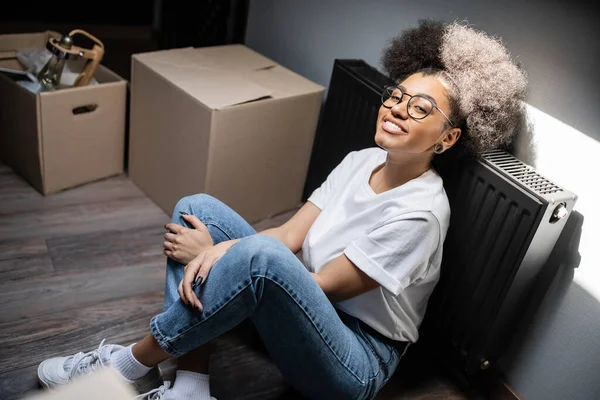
(395, 237)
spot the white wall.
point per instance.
(555, 41)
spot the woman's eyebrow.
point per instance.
(429, 97)
(420, 94)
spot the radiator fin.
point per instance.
(521, 172)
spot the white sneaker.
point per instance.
(160, 393)
(52, 372)
(164, 392)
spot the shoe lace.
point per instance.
(155, 394)
(84, 362)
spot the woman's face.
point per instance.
(398, 132)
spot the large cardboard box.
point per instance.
(221, 120)
(57, 140)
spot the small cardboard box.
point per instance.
(221, 120)
(60, 139)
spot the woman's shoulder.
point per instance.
(424, 195)
(437, 200)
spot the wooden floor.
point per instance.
(86, 264)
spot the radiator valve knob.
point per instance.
(559, 213)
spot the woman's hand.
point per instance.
(183, 244)
(199, 268)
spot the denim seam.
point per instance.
(218, 226)
(162, 339)
(373, 351)
(392, 351)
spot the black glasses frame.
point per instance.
(391, 89)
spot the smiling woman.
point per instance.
(371, 237)
(485, 87)
(414, 112)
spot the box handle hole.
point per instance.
(85, 109)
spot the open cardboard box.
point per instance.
(57, 140)
(221, 120)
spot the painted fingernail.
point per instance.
(183, 213)
(197, 282)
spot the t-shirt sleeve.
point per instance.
(321, 195)
(399, 252)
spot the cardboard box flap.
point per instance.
(204, 78)
(282, 82)
(215, 89)
(9, 44)
(235, 57)
(183, 57)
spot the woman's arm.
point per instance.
(293, 232)
(342, 280)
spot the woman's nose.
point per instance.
(399, 110)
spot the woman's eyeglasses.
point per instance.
(418, 106)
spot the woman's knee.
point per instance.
(262, 245)
(264, 253)
(196, 201)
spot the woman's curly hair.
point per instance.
(486, 88)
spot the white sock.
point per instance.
(191, 386)
(124, 362)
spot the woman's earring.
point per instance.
(438, 148)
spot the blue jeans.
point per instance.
(322, 352)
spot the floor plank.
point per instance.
(84, 218)
(40, 295)
(121, 321)
(22, 258)
(19, 383)
(18, 196)
(108, 249)
(240, 371)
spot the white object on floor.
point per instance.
(102, 385)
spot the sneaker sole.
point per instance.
(41, 380)
(40, 374)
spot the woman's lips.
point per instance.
(392, 128)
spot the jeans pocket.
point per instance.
(383, 352)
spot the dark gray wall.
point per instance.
(556, 43)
